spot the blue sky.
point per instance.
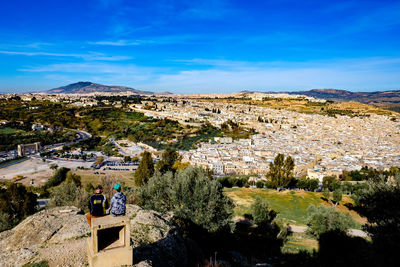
(200, 46)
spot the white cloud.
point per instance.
(90, 56)
(116, 43)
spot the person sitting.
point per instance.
(118, 202)
(98, 204)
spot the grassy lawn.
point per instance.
(291, 205)
(10, 131)
(300, 241)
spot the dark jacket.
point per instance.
(118, 204)
(98, 204)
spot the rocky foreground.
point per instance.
(59, 237)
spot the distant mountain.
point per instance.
(89, 87)
(384, 99)
(165, 93)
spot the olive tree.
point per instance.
(322, 219)
(190, 195)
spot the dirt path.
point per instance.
(352, 232)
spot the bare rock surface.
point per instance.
(59, 236)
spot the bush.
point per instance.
(58, 177)
(69, 194)
(321, 220)
(5, 221)
(37, 264)
(260, 184)
(191, 195)
(225, 181)
(15, 204)
(73, 178)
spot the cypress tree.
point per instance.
(145, 169)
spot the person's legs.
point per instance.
(89, 219)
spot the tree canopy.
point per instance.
(379, 202)
(169, 158)
(191, 195)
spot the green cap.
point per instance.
(117, 187)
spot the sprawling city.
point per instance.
(221, 133)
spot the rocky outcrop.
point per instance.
(155, 238)
(59, 236)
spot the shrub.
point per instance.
(37, 264)
(15, 204)
(73, 178)
(69, 194)
(260, 184)
(58, 177)
(225, 181)
(261, 212)
(5, 221)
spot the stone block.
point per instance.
(109, 244)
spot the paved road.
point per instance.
(120, 150)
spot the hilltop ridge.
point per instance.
(58, 236)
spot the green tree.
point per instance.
(379, 202)
(58, 177)
(321, 220)
(336, 197)
(261, 212)
(73, 178)
(191, 195)
(259, 184)
(127, 159)
(281, 170)
(169, 158)
(330, 182)
(326, 194)
(312, 184)
(145, 169)
(16, 203)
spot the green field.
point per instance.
(290, 205)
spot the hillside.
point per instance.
(291, 205)
(383, 99)
(89, 87)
